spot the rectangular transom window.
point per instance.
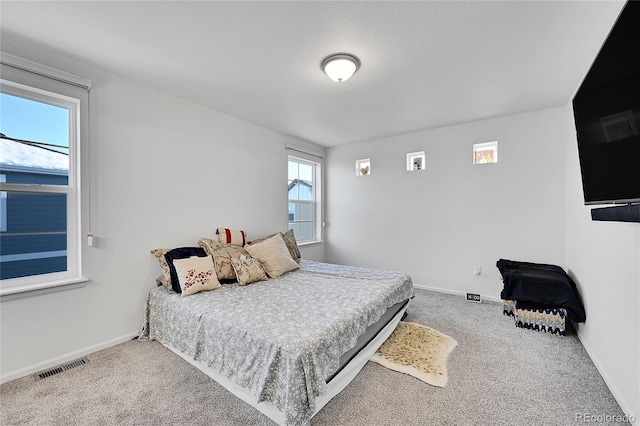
(303, 187)
(485, 153)
(40, 122)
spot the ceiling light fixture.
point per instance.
(340, 66)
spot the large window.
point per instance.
(304, 195)
(40, 122)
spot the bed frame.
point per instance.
(335, 385)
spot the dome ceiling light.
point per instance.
(340, 66)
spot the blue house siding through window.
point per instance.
(34, 235)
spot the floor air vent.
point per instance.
(60, 368)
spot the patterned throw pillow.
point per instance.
(234, 237)
(248, 270)
(222, 255)
(180, 253)
(196, 274)
(166, 276)
(290, 240)
(274, 256)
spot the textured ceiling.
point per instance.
(424, 64)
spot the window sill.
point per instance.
(310, 243)
(29, 290)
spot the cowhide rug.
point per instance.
(417, 350)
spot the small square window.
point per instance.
(415, 161)
(485, 153)
(363, 167)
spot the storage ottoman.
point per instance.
(540, 296)
(548, 319)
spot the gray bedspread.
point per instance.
(279, 338)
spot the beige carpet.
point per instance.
(417, 350)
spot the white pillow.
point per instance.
(274, 255)
(236, 237)
(196, 274)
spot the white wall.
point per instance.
(604, 259)
(438, 223)
(161, 172)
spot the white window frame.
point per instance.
(483, 147)
(3, 205)
(39, 83)
(363, 167)
(411, 159)
(316, 197)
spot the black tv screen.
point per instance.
(607, 116)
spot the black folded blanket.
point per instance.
(541, 284)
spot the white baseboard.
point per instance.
(34, 368)
(619, 396)
(456, 292)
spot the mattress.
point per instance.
(370, 333)
(284, 338)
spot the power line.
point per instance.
(41, 145)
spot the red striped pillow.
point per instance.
(235, 237)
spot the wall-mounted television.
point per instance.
(607, 116)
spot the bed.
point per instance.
(287, 345)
